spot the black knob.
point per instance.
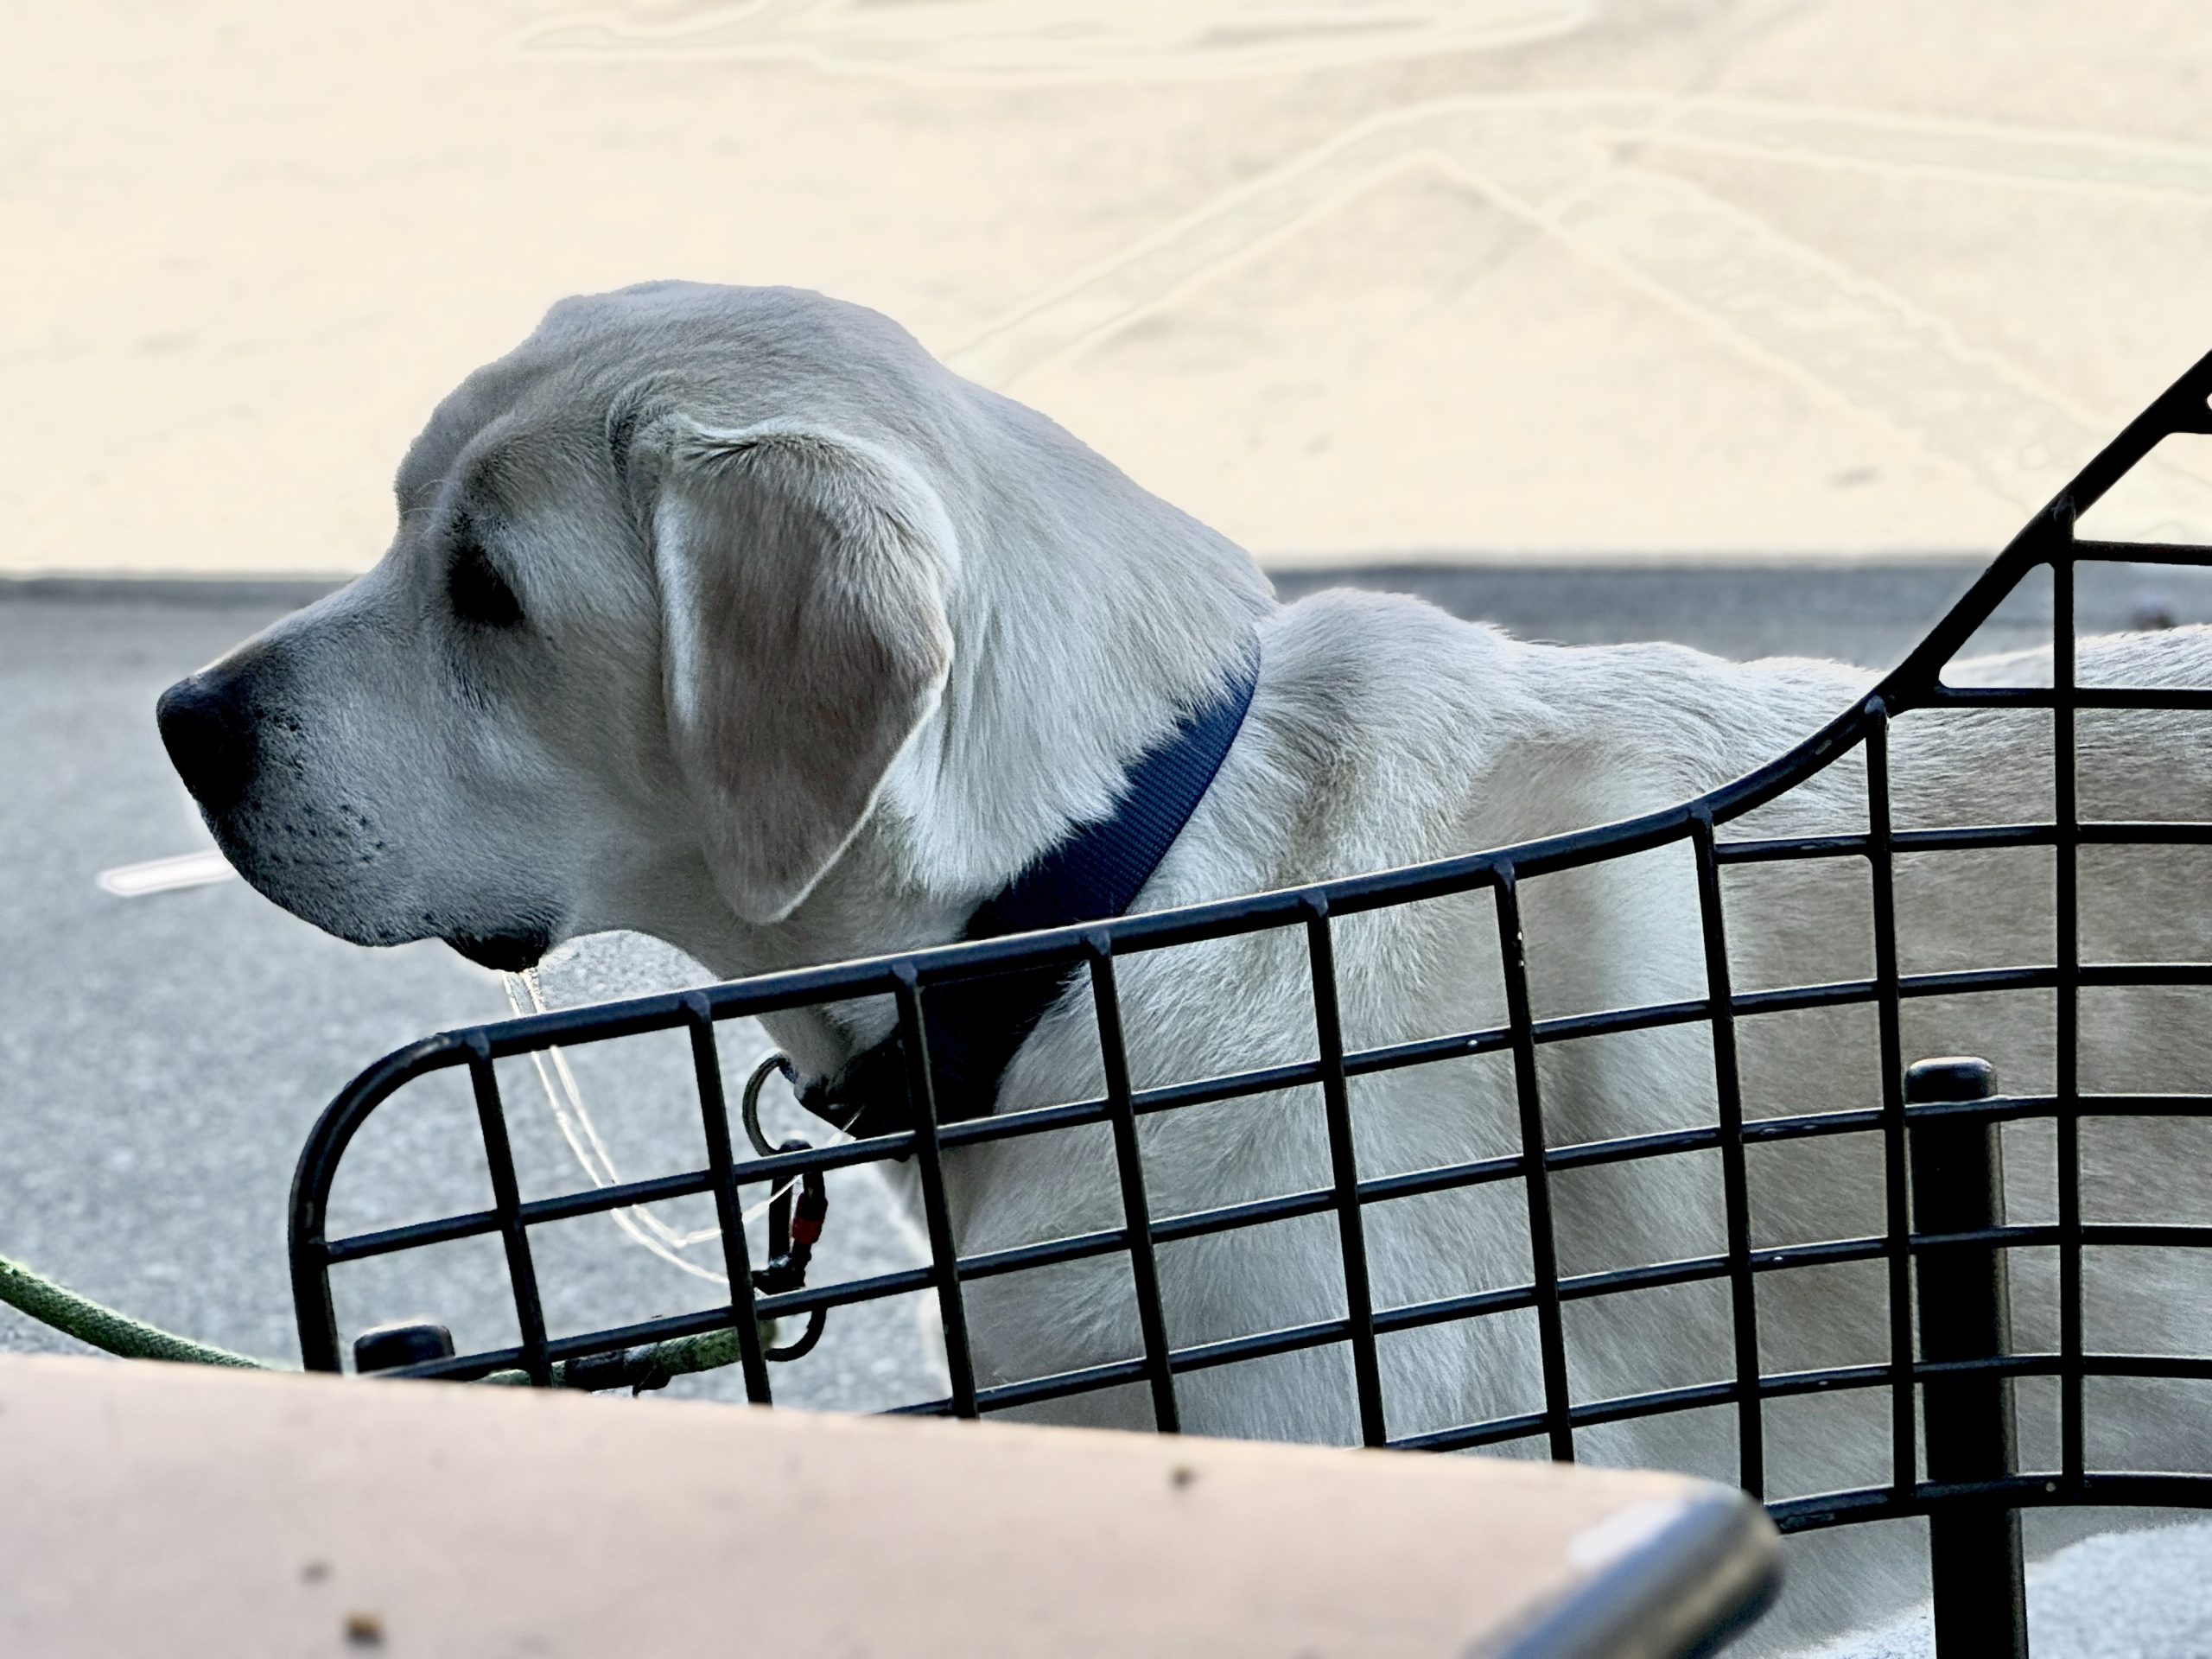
(385, 1347)
(1950, 1078)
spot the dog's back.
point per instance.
(1385, 734)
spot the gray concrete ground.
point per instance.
(161, 1058)
(2133, 1595)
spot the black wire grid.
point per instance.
(2048, 541)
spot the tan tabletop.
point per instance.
(167, 1509)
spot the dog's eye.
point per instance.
(480, 595)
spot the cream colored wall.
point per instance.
(1346, 277)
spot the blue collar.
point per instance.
(976, 1025)
(1099, 869)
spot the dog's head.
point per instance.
(670, 561)
(700, 595)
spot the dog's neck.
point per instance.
(976, 1026)
(1088, 617)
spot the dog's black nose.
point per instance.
(210, 739)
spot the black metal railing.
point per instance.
(1948, 1232)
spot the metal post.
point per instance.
(1958, 1187)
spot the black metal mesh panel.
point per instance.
(1742, 1384)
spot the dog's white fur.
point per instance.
(821, 644)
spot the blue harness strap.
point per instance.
(976, 1025)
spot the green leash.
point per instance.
(100, 1327)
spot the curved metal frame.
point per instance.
(1916, 683)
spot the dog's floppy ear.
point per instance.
(803, 579)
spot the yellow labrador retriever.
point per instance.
(730, 616)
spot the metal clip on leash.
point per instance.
(793, 1228)
(796, 1211)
